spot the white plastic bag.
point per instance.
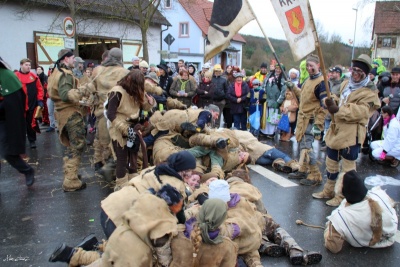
(379, 180)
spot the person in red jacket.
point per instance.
(34, 92)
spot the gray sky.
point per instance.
(336, 16)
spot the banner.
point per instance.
(227, 18)
(295, 21)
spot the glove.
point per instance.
(382, 156)
(289, 84)
(331, 105)
(40, 103)
(131, 138)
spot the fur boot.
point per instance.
(280, 165)
(328, 191)
(334, 202)
(71, 180)
(303, 170)
(294, 165)
(82, 257)
(121, 182)
(314, 177)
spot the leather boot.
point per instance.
(88, 243)
(62, 253)
(270, 249)
(313, 178)
(121, 182)
(83, 258)
(303, 170)
(327, 192)
(280, 165)
(29, 177)
(71, 179)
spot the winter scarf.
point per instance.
(183, 84)
(238, 89)
(351, 87)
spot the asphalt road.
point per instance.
(34, 221)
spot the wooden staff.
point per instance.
(317, 44)
(269, 44)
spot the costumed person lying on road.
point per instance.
(142, 239)
(365, 218)
(178, 167)
(177, 121)
(275, 241)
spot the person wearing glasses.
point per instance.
(350, 113)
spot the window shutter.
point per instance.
(391, 63)
(379, 42)
(394, 39)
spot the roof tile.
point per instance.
(387, 17)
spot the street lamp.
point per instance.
(354, 39)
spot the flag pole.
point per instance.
(268, 42)
(318, 45)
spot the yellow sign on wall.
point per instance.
(51, 41)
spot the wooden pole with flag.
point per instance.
(318, 46)
(269, 43)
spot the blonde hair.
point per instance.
(195, 237)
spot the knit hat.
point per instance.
(115, 53)
(354, 189)
(238, 74)
(79, 60)
(363, 62)
(143, 64)
(396, 69)
(152, 65)
(64, 53)
(293, 70)
(373, 71)
(153, 76)
(219, 189)
(206, 66)
(264, 65)
(135, 58)
(255, 82)
(336, 69)
(170, 194)
(182, 161)
(313, 58)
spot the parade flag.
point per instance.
(227, 18)
(295, 21)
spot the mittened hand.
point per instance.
(331, 105)
(289, 84)
(382, 156)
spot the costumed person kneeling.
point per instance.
(125, 103)
(366, 218)
(62, 89)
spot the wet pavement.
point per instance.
(34, 221)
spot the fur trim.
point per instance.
(376, 222)
(339, 184)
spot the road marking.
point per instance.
(280, 180)
(397, 238)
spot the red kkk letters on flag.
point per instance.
(227, 18)
(296, 24)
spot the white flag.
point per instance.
(295, 21)
(227, 18)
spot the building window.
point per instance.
(389, 42)
(167, 3)
(184, 29)
(388, 62)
